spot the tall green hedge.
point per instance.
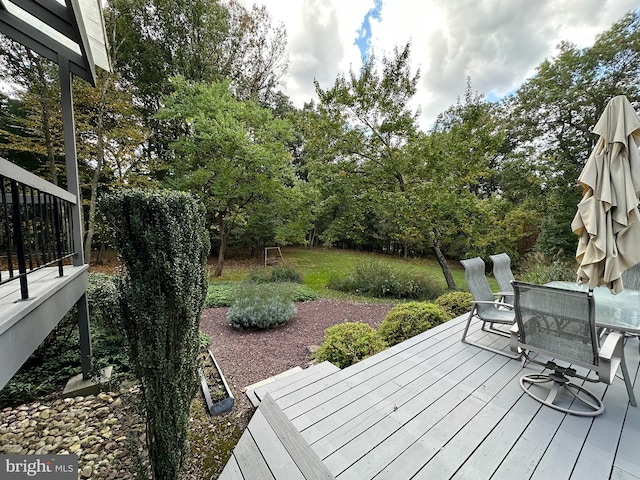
(163, 244)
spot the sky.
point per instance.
(497, 43)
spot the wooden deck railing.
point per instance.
(35, 225)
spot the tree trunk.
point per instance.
(223, 246)
(91, 221)
(45, 116)
(451, 284)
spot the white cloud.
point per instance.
(498, 43)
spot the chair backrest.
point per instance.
(556, 322)
(477, 282)
(502, 271)
(631, 277)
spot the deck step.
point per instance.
(290, 380)
(272, 448)
(250, 390)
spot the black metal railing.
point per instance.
(35, 232)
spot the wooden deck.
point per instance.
(435, 408)
(25, 323)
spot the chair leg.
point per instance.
(627, 379)
(485, 347)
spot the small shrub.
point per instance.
(302, 293)
(261, 306)
(382, 280)
(203, 340)
(281, 273)
(348, 343)
(219, 295)
(455, 303)
(408, 320)
(102, 297)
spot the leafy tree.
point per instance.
(358, 147)
(202, 41)
(37, 127)
(553, 113)
(232, 154)
(460, 154)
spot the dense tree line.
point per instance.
(194, 103)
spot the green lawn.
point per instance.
(319, 264)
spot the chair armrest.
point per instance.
(504, 294)
(495, 303)
(610, 356)
(513, 338)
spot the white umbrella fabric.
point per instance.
(607, 220)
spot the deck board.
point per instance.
(433, 407)
(250, 461)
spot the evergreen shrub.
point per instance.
(455, 303)
(348, 343)
(261, 306)
(163, 244)
(408, 320)
(103, 300)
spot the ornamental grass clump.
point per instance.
(280, 273)
(349, 343)
(408, 320)
(261, 306)
(163, 244)
(382, 280)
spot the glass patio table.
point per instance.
(620, 312)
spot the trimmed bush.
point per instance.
(281, 273)
(455, 303)
(348, 343)
(163, 244)
(408, 320)
(382, 280)
(261, 306)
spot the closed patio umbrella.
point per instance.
(607, 220)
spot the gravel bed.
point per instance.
(247, 357)
(105, 431)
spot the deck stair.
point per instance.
(271, 448)
(289, 381)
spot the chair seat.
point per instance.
(495, 315)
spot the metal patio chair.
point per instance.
(485, 307)
(631, 277)
(559, 325)
(503, 275)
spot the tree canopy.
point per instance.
(194, 102)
